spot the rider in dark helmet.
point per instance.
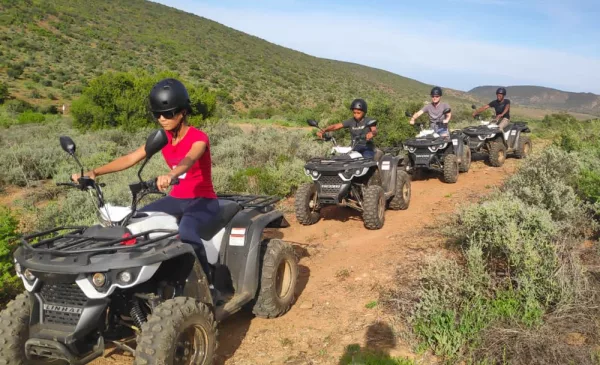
(361, 135)
(188, 158)
(501, 106)
(437, 119)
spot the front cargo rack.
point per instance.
(75, 241)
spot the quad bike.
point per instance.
(348, 179)
(489, 139)
(430, 151)
(132, 280)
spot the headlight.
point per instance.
(412, 149)
(99, 279)
(307, 172)
(490, 135)
(315, 173)
(29, 275)
(18, 268)
(438, 147)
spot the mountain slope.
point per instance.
(543, 97)
(52, 48)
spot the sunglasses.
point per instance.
(169, 114)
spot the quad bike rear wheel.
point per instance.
(307, 210)
(524, 148)
(14, 332)
(497, 153)
(278, 279)
(450, 171)
(401, 198)
(465, 164)
(180, 331)
(373, 207)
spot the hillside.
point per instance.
(50, 49)
(545, 98)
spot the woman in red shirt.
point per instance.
(188, 157)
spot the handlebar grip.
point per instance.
(175, 181)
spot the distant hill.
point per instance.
(50, 49)
(545, 98)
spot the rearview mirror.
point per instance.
(155, 142)
(371, 123)
(446, 111)
(313, 123)
(67, 145)
(473, 106)
(408, 114)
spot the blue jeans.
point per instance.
(193, 213)
(367, 152)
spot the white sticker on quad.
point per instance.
(237, 237)
(455, 142)
(512, 133)
(385, 165)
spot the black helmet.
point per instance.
(501, 90)
(359, 104)
(169, 95)
(436, 91)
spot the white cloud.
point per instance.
(411, 49)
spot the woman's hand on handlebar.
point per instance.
(163, 182)
(90, 174)
(320, 134)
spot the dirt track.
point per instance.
(343, 268)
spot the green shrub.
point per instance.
(9, 282)
(18, 106)
(31, 117)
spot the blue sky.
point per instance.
(452, 43)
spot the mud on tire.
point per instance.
(465, 165)
(401, 198)
(306, 194)
(450, 172)
(497, 153)
(524, 148)
(173, 327)
(278, 278)
(14, 332)
(373, 207)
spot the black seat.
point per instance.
(227, 210)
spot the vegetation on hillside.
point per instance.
(50, 50)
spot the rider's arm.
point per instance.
(197, 150)
(485, 107)
(372, 133)
(415, 116)
(448, 117)
(333, 127)
(119, 164)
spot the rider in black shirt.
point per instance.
(502, 107)
(362, 136)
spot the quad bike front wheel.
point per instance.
(524, 148)
(465, 164)
(180, 331)
(307, 210)
(401, 198)
(373, 207)
(450, 171)
(497, 153)
(278, 279)
(14, 332)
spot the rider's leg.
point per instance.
(368, 153)
(200, 212)
(503, 123)
(168, 204)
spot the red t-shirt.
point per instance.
(197, 181)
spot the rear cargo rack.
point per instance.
(74, 241)
(251, 201)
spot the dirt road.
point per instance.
(343, 269)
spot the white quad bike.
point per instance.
(130, 281)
